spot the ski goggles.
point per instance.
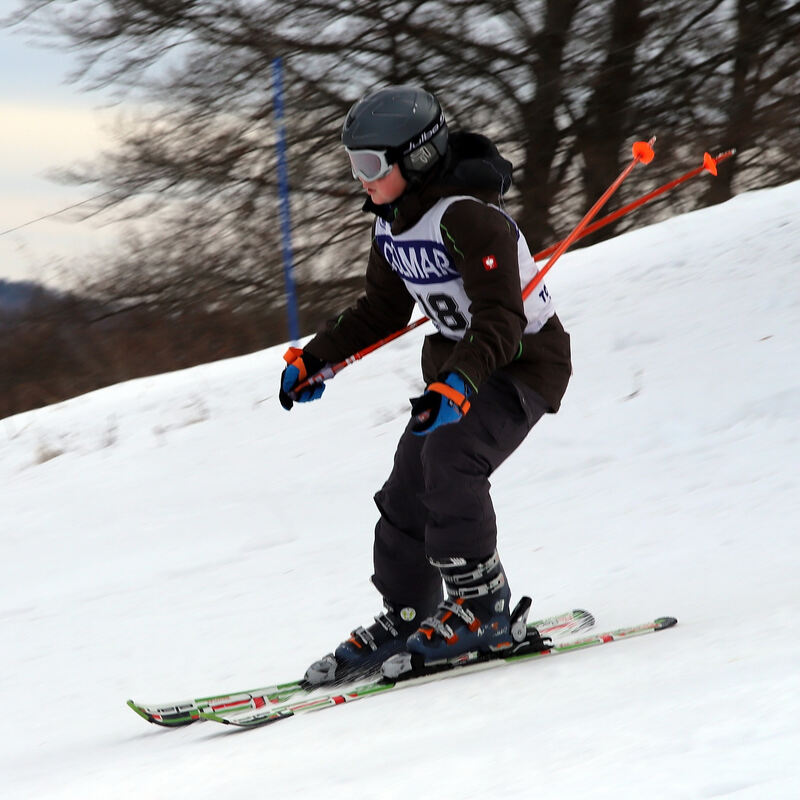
(369, 165)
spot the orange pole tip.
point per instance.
(710, 163)
(642, 151)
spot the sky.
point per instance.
(45, 124)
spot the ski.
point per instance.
(185, 712)
(264, 715)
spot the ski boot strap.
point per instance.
(386, 619)
(479, 569)
(455, 578)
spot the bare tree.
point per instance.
(563, 85)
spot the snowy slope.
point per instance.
(183, 534)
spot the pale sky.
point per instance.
(45, 123)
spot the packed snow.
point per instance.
(183, 535)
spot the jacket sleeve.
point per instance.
(483, 244)
(384, 308)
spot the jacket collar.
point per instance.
(472, 166)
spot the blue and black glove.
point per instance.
(443, 403)
(299, 366)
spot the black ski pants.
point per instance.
(436, 500)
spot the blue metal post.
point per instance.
(283, 187)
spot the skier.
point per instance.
(494, 366)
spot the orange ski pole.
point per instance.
(331, 370)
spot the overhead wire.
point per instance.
(55, 213)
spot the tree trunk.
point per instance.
(603, 133)
(751, 29)
(541, 134)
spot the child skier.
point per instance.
(493, 367)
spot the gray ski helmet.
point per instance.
(405, 121)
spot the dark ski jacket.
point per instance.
(495, 340)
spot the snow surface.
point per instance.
(183, 535)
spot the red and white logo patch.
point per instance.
(489, 263)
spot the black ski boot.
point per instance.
(367, 648)
(474, 623)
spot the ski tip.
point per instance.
(139, 710)
(584, 617)
(665, 622)
(167, 721)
